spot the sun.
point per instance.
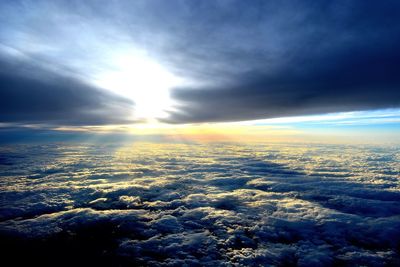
(136, 76)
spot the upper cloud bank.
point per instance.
(239, 61)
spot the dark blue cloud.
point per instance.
(29, 94)
(295, 59)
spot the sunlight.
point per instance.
(134, 75)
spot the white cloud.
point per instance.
(175, 204)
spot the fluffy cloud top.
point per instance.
(221, 205)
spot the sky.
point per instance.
(200, 133)
(298, 69)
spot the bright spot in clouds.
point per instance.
(136, 76)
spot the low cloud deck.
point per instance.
(220, 205)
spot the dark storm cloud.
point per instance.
(31, 94)
(294, 59)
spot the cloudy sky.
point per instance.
(192, 133)
(96, 63)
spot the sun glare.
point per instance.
(146, 82)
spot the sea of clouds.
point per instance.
(201, 204)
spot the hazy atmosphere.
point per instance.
(200, 133)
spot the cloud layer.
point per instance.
(237, 61)
(220, 205)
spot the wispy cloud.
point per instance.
(387, 116)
